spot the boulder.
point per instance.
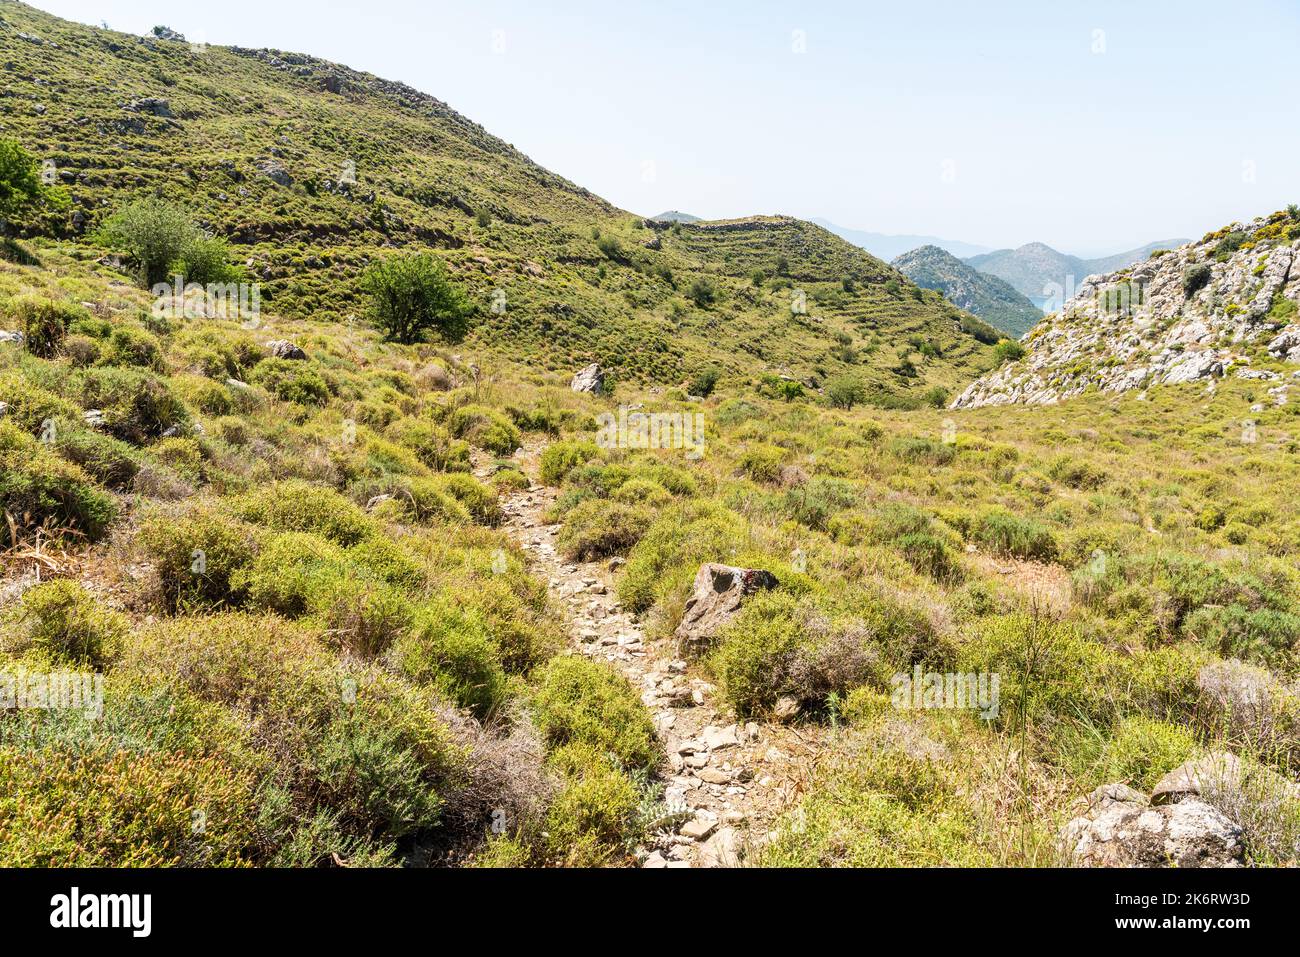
(590, 379)
(719, 592)
(1286, 344)
(275, 172)
(1188, 780)
(284, 349)
(1121, 829)
(723, 849)
(153, 105)
(15, 337)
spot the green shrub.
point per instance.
(593, 821)
(111, 807)
(30, 405)
(298, 506)
(40, 490)
(452, 650)
(845, 391)
(198, 558)
(1008, 350)
(762, 463)
(137, 405)
(133, 346)
(206, 259)
(560, 458)
(1140, 751)
(486, 428)
(210, 398)
(291, 381)
(1049, 671)
(923, 450)
(782, 645)
(428, 502)
(107, 460)
(583, 702)
(44, 322)
(432, 445)
(1195, 278)
(63, 621)
(599, 528)
(1006, 534)
(702, 292)
(642, 491)
(876, 805)
(672, 549)
(1075, 473)
(479, 500)
(816, 503)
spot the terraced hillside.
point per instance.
(338, 599)
(313, 169)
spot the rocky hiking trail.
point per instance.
(724, 782)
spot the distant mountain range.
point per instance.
(1048, 277)
(885, 246)
(992, 299)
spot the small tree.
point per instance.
(845, 391)
(702, 293)
(20, 183)
(153, 232)
(411, 294)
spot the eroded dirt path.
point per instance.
(724, 782)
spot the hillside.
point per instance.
(1223, 306)
(341, 600)
(314, 169)
(1045, 276)
(982, 294)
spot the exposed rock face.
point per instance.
(590, 379)
(153, 105)
(1140, 327)
(720, 590)
(284, 349)
(275, 172)
(1119, 828)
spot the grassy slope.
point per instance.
(919, 550)
(424, 174)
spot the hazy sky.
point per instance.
(1092, 126)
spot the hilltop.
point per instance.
(982, 294)
(1224, 305)
(674, 216)
(314, 169)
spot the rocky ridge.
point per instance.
(1207, 309)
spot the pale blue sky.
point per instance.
(1092, 126)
